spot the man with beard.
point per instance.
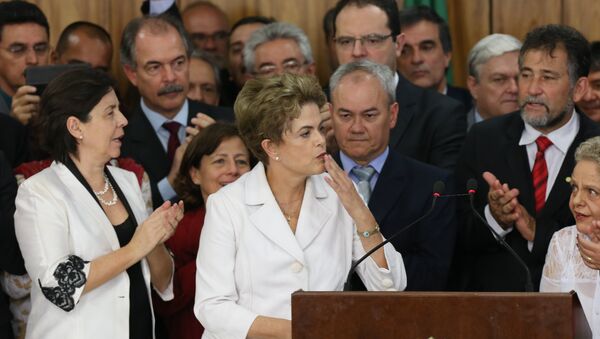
(521, 161)
(155, 55)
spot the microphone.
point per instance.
(471, 190)
(438, 189)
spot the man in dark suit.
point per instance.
(431, 127)
(155, 57)
(426, 55)
(521, 161)
(399, 189)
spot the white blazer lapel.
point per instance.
(85, 200)
(267, 216)
(314, 213)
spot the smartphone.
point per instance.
(40, 76)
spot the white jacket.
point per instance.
(57, 217)
(249, 261)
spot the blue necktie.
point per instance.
(364, 175)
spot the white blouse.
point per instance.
(565, 271)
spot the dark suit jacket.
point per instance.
(431, 127)
(493, 145)
(402, 194)
(13, 141)
(142, 144)
(462, 95)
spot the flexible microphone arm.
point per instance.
(472, 189)
(438, 189)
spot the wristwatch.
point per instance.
(369, 233)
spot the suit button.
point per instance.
(387, 283)
(296, 267)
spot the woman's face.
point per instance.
(103, 132)
(302, 147)
(230, 160)
(585, 194)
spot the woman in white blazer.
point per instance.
(89, 246)
(284, 225)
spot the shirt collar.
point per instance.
(377, 163)
(561, 138)
(157, 120)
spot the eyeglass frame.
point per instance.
(35, 48)
(380, 38)
(293, 69)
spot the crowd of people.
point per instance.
(226, 177)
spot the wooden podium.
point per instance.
(371, 315)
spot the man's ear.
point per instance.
(581, 87)
(131, 74)
(394, 108)
(472, 86)
(400, 41)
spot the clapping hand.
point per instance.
(588, 243)
(158, 228)
(506, 209)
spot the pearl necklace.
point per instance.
(99, 194)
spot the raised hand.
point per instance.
(157, 228)
(344, 187)
(25, 104)
(502, 201)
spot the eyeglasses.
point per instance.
(368, 41)
(291, 66)
(217, 36)
(18, 50)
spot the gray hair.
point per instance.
(489, 47)
(381, 72)
(210, 60)
(274, 31)
(156, 24)
(589, 150)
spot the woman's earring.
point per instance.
(81, 137)
(276, 158)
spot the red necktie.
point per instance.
(173, 143)
(540, 173)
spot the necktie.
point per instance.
(540, 173)
(364, 175)
(173, 143)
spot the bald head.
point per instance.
(84, 42)
(208, 28)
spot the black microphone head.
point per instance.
(471, 186)
(438, 188)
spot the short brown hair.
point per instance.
(204, 143)
(265, 107)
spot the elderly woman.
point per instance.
(215, 157)
(89, 246)
(284, 225)
(573, 259)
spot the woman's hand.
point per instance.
(589, 246)
(159, 227)
(344, 187)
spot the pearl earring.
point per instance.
(81, 137)
(276, 158)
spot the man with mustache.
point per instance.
(155, 55)
(521, 161)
